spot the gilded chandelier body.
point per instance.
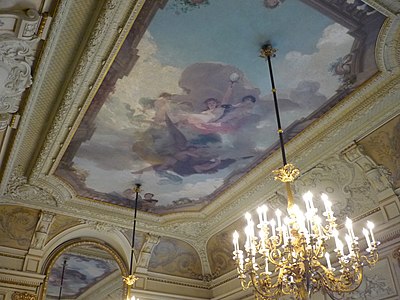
(290, 256)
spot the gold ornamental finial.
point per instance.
(136, 189)
(130, 279)
(288, 173)
(267, 51)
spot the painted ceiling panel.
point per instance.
(193, 111)
(175, 257)
(62, 223)
(17, 225)
(388, 152)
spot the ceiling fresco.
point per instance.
(192, 111)
(388, 154)
(17, 226)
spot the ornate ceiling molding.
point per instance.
(87, 78)
(96, 57)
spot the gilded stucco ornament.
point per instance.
(23, 296)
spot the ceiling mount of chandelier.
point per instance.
(291, 254)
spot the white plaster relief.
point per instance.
(16, 59)
(145, 253)
(347, 185)
(20, 24)
(42, 230)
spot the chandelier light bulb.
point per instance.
(307, 197)
(328, 260)
(371, 226)
(278, 214)
(327, 204)
(262, 214)
(273, 224)
(366, 234)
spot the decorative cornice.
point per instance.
(20, 278)
(175, 282)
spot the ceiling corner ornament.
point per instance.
(18, 189)
(16, 58)
(292, 255)
(22, 296)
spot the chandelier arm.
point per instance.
(328, 229)
(267, 289)
(347, 282)
(320, 250)
(274, 254)
(372, 259)
(276, 242)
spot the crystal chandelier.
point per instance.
(130, 279)
(291, 254)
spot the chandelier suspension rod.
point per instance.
(137, 190)
(267, 52)
(62, 279)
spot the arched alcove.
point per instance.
(87, 268)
